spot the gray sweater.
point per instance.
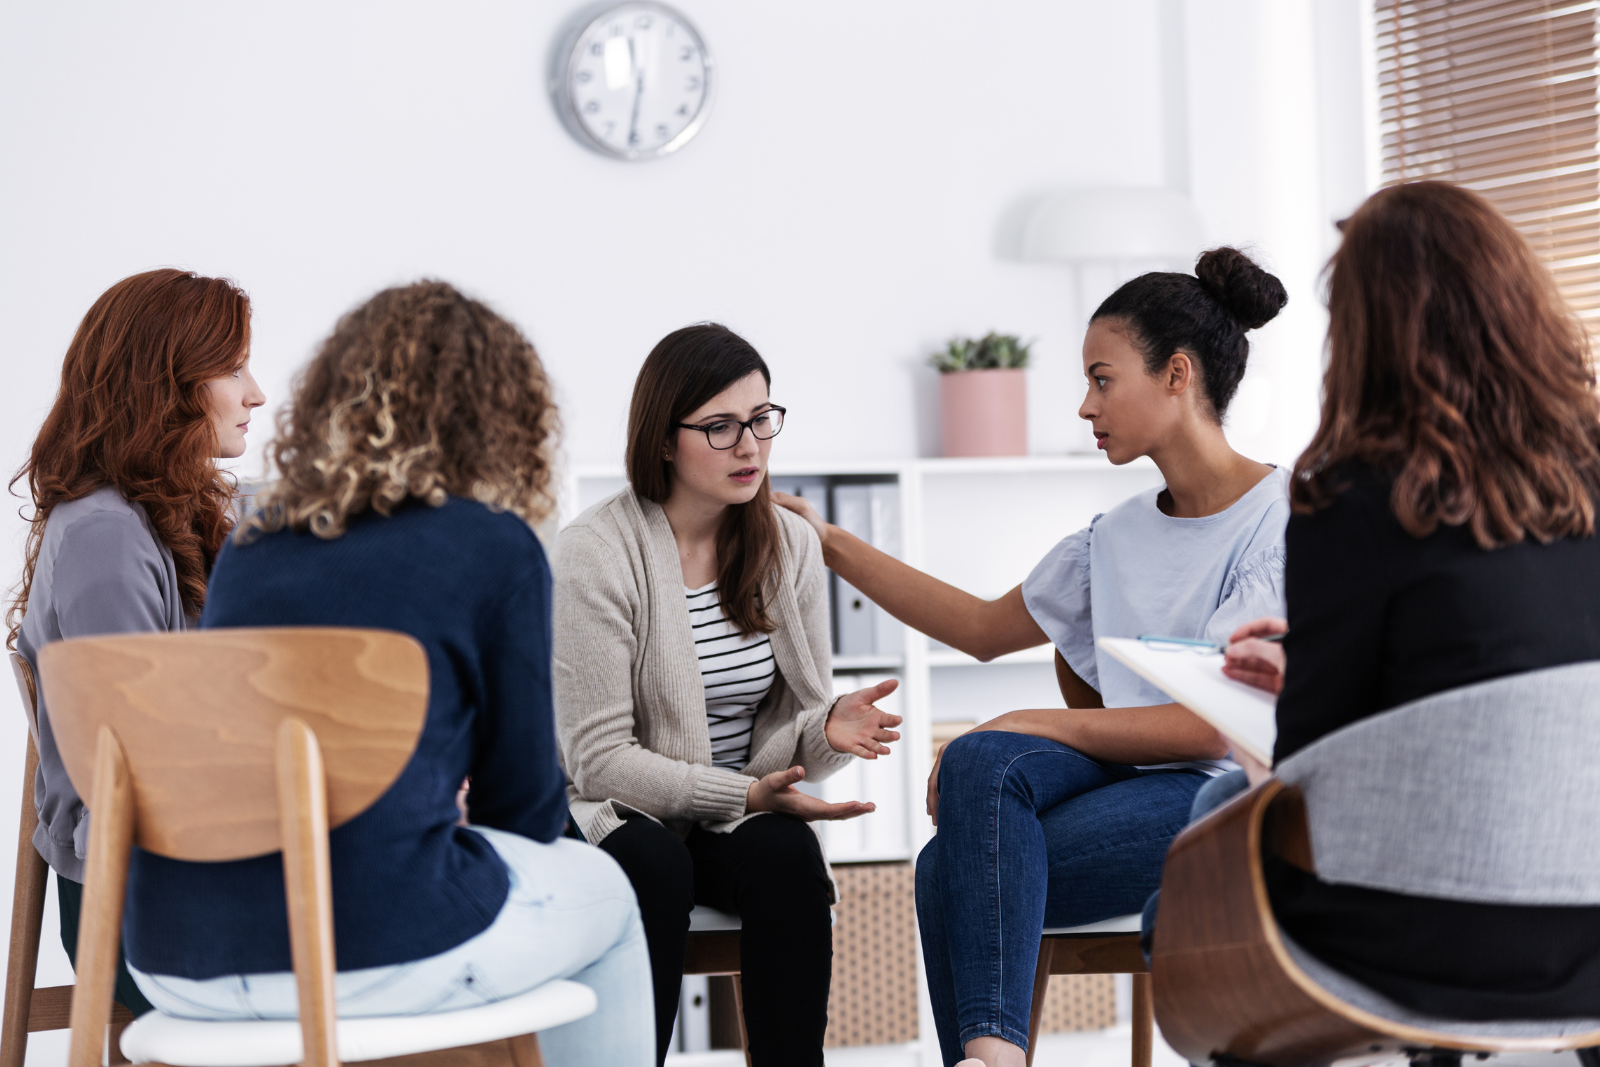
(101, 570)
(630, 701)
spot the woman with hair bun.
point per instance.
(130, 509)
(1077, 806)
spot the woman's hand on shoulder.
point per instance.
(776, 792)
(1255, 662)
(857, 726)
(803, 508)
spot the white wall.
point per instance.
(853, 201)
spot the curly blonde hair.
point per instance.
(419, 393)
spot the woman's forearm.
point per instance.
(981, 628)
(1162, 733)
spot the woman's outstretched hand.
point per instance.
(1253, 661)
(859, 727)
(777, 792)
(803, 509)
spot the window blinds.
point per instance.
(1500, 96)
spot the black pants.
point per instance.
(69, 895)
(770, 873)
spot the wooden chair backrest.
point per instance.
(198, 714)
(28, 689)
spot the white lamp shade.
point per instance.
(1113, 225)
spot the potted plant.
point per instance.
(983, 396)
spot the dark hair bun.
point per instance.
(1247, 292)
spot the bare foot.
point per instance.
(993, 1052)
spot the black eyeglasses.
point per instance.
(726, 433)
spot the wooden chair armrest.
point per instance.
(1223, 981)
(1285, 831)
(1207, 898)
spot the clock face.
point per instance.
(636, 82)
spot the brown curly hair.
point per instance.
(419, 393)
(1454, 365)
(132, 412)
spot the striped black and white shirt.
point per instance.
(737, 672)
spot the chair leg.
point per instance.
(114, 1055)
(110, 840)
(1144, 1021)
(738, 1013)
(525, 1051)
(27, 918)
(1041, 986)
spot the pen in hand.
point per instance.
(1199, 644)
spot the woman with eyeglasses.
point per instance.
(1062, 816)
(693, 689)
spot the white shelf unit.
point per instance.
(980, 524)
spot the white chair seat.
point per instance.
(704, 920)
(1122, 924)
(158, 1038)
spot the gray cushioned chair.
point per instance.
(1489, 793)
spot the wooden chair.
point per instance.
(29, 1009)
(1109, 947)
(713, 949)
(225, 744)
(1230, 987)
(1484, 793)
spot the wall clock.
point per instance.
(633, 81)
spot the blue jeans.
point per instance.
(1031, 834)
(570, 914)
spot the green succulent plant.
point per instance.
(992, 351)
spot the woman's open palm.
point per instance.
(858, 726)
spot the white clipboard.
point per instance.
(1245, 715)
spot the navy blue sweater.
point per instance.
(473, 587)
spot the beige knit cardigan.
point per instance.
(630, 703)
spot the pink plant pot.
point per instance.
(984, 412)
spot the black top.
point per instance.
(473, 586)
(1378, 618)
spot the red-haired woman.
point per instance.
(1443, 534)
(130, 509)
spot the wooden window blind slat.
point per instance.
(1503, 97)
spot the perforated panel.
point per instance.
(874, 997)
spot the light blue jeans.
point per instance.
(571, 913)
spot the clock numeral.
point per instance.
(644, 22)
(611, 128)
(584, 77)
(686, 54)
(597, 49)
(691, 83)
(683, 109)
(592, 107)
(633, 137)
(661, 129)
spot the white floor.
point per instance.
(1094, 1048)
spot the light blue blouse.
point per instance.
(1136, 571)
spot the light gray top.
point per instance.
(1136, 571)
(101, 570)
